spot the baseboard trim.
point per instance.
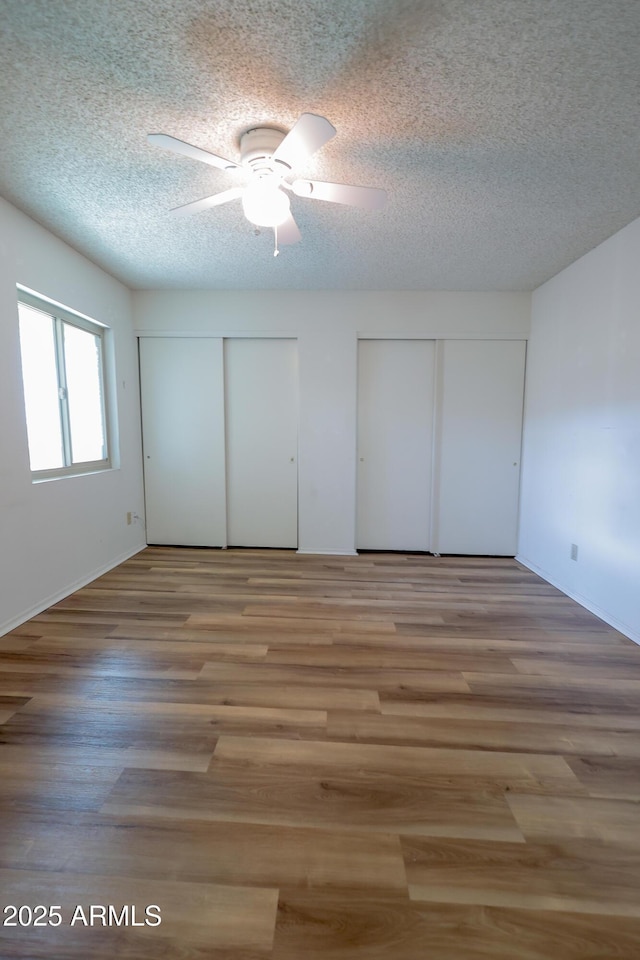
(608, 618)
(328, 553)
(67, 591)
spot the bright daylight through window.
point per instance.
(63, 378)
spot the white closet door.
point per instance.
(480, 427)
(261, 403)
(182, 391)
(395, 435)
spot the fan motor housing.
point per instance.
(257, 147)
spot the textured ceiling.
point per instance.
(506, 132)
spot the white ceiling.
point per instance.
(507, 133)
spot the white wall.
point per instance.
(327, 325)
(581, 457)
(58, 534)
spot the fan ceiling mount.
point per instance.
(270, 155)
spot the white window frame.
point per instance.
(61, 315)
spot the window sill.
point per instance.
(77, 470)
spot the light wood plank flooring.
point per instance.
(384, 757)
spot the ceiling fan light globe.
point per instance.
(265, 205)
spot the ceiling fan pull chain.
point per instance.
(275, 239)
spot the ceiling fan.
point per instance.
(270, 155)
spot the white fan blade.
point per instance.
(208, 202)
(307, 135)
(370, 198)
(188, 150)
(288, 232)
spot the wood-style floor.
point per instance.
(383, 757)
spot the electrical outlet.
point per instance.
(574, 551)
(129, 518)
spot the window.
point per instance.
(63, 379)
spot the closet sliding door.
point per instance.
(395, 437)
(261, 411)
(478, 450)
(182, 393)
